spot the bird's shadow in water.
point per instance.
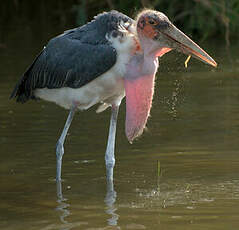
(110, 209)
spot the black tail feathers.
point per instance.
(23, 90)
(20, 92)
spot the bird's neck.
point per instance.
(148, 46)
(141, 65)
(151, 48)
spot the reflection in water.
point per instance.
(62, 205)
(110, 199)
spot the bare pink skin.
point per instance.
(139, 86)
(139, 96)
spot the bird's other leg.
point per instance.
(60, 143)
(109, 154)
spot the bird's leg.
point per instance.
(60, 143)
(109, 154)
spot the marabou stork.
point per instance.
(105, 60)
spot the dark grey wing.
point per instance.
(74, 58)
(65, 62)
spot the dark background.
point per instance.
(202, 19)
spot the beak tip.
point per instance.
(214, 64)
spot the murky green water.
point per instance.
(193, 131)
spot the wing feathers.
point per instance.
(65, 62)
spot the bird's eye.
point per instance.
(152, 22)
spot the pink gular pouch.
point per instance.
(139, 90)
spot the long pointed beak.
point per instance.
(184, 44)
